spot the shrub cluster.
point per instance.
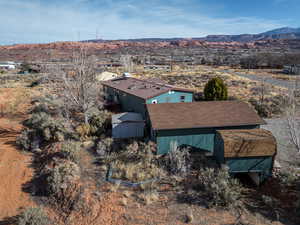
(271, 106)
(64, 185)
(63, 177)
(221, 189)
(33, 216)
(97, 125)
(135, 163)
(178, 160)
(99, 122)
(104, 147)
(42, 129)
(70, 150)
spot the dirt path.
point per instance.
(14, 171)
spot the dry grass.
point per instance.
(135, 172)
(115, 186)
(14, 101)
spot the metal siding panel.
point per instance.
(255, 164)
(219, 149)
(171, 98)
(200, 141)
(128, 130)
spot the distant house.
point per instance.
(292, 69)
(133, 94)
(158, 67)
(8, 65)
(195, 124)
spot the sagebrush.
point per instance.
(220, 187)
(33, 216)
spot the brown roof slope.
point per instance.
(141, 88)
(247, 143)
(167, 116)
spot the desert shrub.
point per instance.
(64, 186)
(215, 89)
(24, 139)
(99, 123)
(33, 216)
(221, 189)
(63, 177)
(178, 160)
(104, 147)
(50, 105)
(289, 176)
(70, 150)
(84, 131)
(136, 163)
(275, 105)
(49, 129)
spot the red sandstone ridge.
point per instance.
(63, 50)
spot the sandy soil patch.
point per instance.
(15, 171)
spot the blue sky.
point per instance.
(40, 21)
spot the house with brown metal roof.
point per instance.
(194, 124)
(133, 94)
(228, 131)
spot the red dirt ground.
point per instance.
(15, 171)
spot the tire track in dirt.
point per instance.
(15, 171)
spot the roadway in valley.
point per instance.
(273, 81)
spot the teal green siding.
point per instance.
(200, 141)
(219, 149)
(262, 165)
(200, 138)
(129, 103)
(250, 164)
(172, 97)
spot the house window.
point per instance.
(154, 101)
(182, 98)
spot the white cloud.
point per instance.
(36, 21)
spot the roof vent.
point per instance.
(126, 74)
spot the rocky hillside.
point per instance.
(64, 50)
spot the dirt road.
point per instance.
(15, 171)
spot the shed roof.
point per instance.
(141, 88)
(212, 114)
(127, 117)
(248, 143)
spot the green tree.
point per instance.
(215, 89)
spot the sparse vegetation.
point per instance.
(178, 160)
(61, 130)
(64, 185)
(70, 150)
(43, 129)
(136, 163)
(221, 189)
(33, 216)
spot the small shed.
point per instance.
(127, 125)
(246, 151)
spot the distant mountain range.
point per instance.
(280, 33)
